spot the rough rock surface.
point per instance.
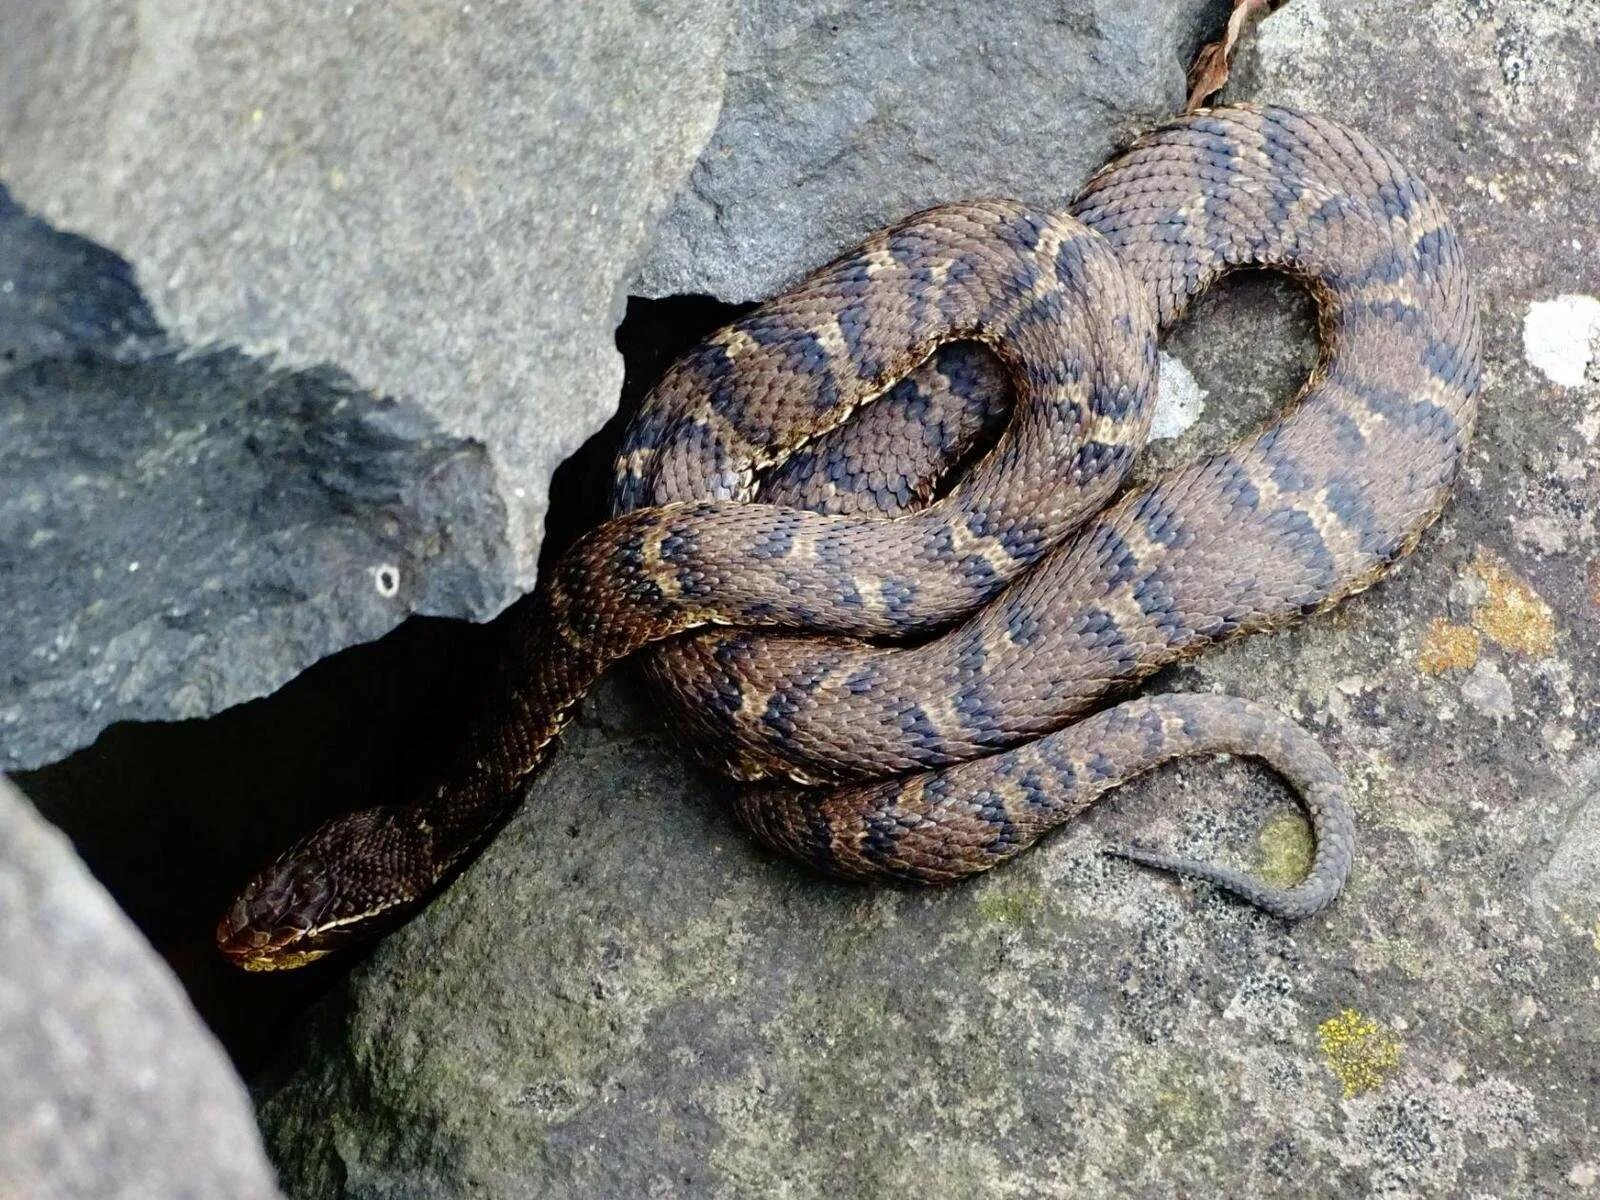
(624, 998)
(441, 203)
(113, 1088)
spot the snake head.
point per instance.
(344, 882)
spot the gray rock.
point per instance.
(63, 296)
(622, 997)
(113, 1088)
(841, 118)
(443, 205)
(183, 531)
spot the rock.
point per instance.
(442, 207)
(185, 530)
(1559, 337)
(1179, 400)
(841, 118)
(623, 997)
(63, 296)
(1487, 690)
(114, 1090)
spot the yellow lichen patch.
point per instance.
(1511, 613)
(1359, 1051)
(1447, 646)
(1286, 846)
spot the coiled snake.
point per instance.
(1024, 601)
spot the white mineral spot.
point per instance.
(1561, 337)
(1487, 691)
(1525, 1012)
(1179, 399)
(1583, 1175)
(386, 579)
(1558, 737)
(1542, 533)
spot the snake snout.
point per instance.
(310, 901)
(282, 906)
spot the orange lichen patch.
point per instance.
(1359, 1051)
(1594, 582)
(1447, 646)
(1511, 613)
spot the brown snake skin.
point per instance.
(949, 643)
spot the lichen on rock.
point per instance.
(1359, 1051)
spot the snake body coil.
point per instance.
(936, 758)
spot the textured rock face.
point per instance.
(441, 203)
(62, 296)
(623, 997)
(113, 1089)
(182, 531)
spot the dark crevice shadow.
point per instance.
(172, 817)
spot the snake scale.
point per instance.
(897, 655)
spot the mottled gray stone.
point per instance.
(439, 204)
(180, 531)
(622, 997)
(113, 1088)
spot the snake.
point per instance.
(874, 540)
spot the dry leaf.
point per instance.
(1210, 70)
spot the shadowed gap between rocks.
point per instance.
(171, 817)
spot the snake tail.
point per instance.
(936, 827)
